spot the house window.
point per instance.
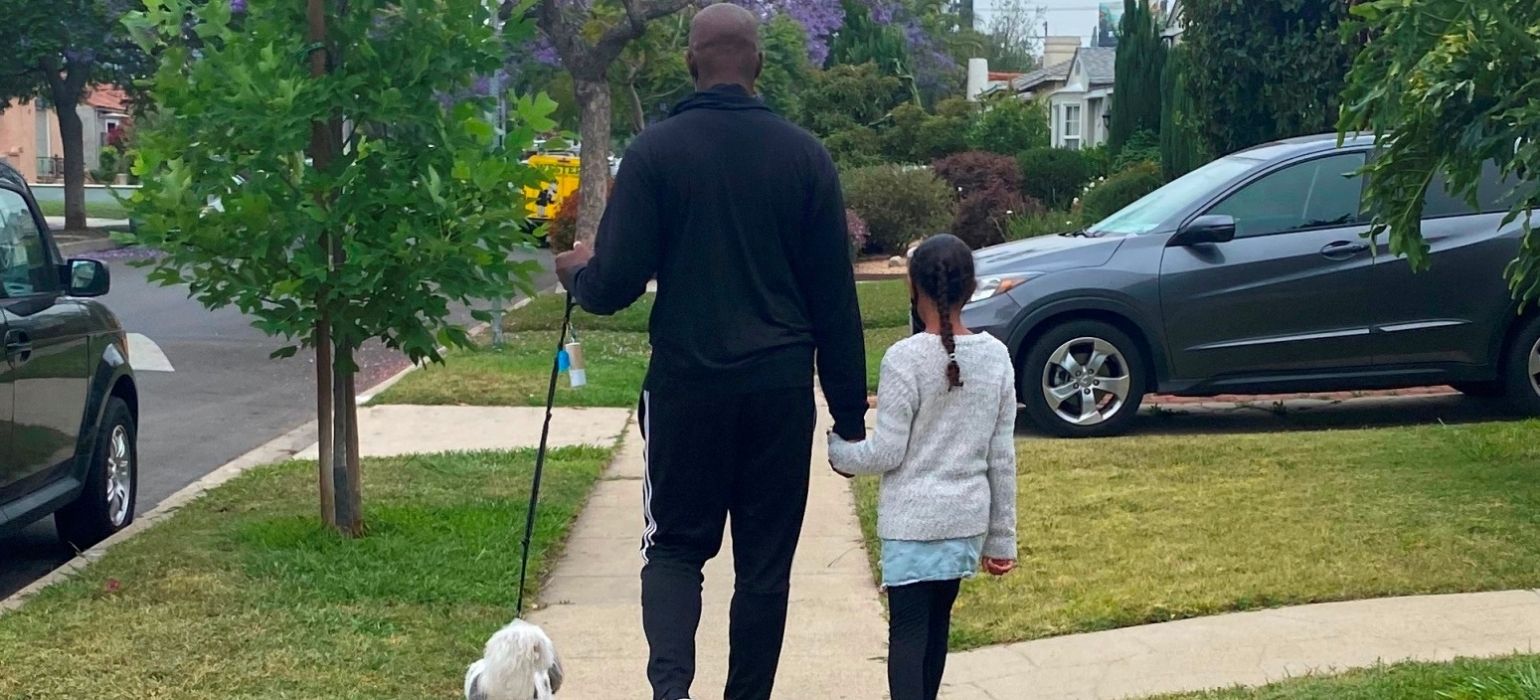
(1072, 127)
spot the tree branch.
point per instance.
(638, 14)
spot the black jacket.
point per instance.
(738, 213)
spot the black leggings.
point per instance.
(920, 618)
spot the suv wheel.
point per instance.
(1521, 369)
(1083, 379)
(106, 504)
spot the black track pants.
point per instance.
(708, 457)
(920, 618)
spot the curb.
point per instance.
(95, 245)
(276, 450)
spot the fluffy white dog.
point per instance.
(519, 663)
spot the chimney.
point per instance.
(978, 77)
(1058, 49)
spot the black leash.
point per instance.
(545, 433)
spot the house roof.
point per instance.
(1058, 72)
(108, 97)
(1100, 63)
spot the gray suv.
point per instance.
(1252, 275)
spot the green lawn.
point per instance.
(243, 595)
(1509, 678)
(104, 210)
(615, 347)
(1142, 529)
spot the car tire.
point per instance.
(106, 504)
(1056, 377)
(1521, 369)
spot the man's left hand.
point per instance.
(568, 263)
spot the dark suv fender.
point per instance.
(111, 376)
(1119, 312)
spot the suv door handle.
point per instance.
(18, 347)
(1342, 250)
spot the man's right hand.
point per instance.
(568, 263)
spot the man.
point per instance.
(739, 215)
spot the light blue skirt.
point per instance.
(912, 561)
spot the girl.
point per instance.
(945, 448)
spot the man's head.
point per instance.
(724, 47)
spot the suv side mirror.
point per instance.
(1214, 228)
(88, 278)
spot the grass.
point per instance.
(1143, 529)
(243, 595)
(95, 210)
(616, 349)
(1508, 678)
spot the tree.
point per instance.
(846, 97)
(1009, 125)
(1140, 59)
(1012, 41)
(1268, 70)
(403, 209)
(56, 50)
(1447, 86)
(1180, 147)
(588, 45)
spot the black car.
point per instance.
(68, 403)
(1253, 275)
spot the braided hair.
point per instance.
(942, 269)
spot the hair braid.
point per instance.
(946, 297)
(942, 269)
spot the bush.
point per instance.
(1142, 147)
(858, 233)
(983, 215)
(855, 147)
(1120, 190)
(1010, 126)
(1033, 225)
(1053, 175)
(899, 204)
(1098, 161)
(109, 163)
(976, 171)
(562, 229)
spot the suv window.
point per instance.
(1318, 193)
(1493, 194)
(24, 266)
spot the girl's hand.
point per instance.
(999, 567)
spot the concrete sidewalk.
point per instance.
(836, 635)
(1251, 648)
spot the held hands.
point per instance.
(833, 436)
(568, 263)
(999, 567)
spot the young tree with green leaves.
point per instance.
(406, 205)
(1264, 70)
(1141, 56)
(1447, 86)
(56, 50)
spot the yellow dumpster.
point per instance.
(561, 183)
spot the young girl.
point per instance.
(945, 449)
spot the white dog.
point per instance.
(519, 663)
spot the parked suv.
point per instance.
(1252, 275)
(68, 404)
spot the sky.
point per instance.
(1065, 17)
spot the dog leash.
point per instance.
(545, 434)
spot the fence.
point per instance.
(50, 169)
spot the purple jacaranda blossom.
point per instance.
(237, 7)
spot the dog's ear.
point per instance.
(473, 675)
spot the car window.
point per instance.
(24, 265)
(1493, 194)
(1314, 194)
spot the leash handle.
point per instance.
(545, 434)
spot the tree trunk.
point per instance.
(593, 95)
(345, 467)
(72, 134)
(323, 412)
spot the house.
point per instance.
(983, 82)
(1175, 23)
(29, 133)
(1077, 107)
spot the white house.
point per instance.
(1077, 109)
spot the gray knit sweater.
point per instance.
(947, 458)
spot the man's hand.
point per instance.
(568, 263)
(999, 567)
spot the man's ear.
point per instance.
(689, 62)
(759, 65)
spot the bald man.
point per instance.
(739, 215)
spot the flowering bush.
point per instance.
(858, 233)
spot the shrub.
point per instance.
(1033, 225)
(109, 163)
(1142, 147)
(1010, 126)
(1119, 191)
(562, 229)
(899, 204)
(976, 171)
(858, 233)
(983, 215)
(1053, 175)
(1098, 161)
(855, 147)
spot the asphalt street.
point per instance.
(224, 397)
